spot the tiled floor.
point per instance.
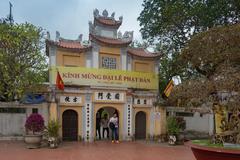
(102, 150)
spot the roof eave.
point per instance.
(158, 55)
(53, 43)
(116, 25)
(96, 39)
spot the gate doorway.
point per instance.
(140, 125)
(100, 132)
(70, 125)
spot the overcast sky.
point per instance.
(70, 17)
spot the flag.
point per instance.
(168, 89)
(59, 82)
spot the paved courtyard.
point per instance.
(103, 150)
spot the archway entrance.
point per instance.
(140, 125)
(70, 125)
(100, 127)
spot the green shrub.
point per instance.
(172, 126)
(53, 128)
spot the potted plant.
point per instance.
(172, 129)
(34, 126)
(52, 133)
(182, 126)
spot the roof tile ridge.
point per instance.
(69, 40)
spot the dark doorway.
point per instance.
(101, 134)
(70, 125)
(140, 125)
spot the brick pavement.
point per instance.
(101, 150)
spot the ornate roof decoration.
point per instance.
(105, 13)
(141, 52)
(105, 20)
(110, 41)
(127, 36)
(74, 45)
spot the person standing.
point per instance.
(113, 124)
(104, 123)
(98, 125)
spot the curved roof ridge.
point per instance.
(69, 40)
(111, 41)
(68, 44)
(107, 21)
(142, 52)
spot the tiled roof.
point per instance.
(107, 21)
(141, 52)
(68, 44)
(109, 41)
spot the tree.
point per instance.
(178, 20)
(169, 66)
(207, 52)
(171, 24)
(22, 62)
(215, 55)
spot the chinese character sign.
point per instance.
(71, 99)
(114, 96)
(142, 101)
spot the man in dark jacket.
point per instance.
(98, 125)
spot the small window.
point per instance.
(109, 63)
(12, 110)
(138, 101)
(34, 110)
(184, 114)
(145, 101)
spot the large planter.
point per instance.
(33, 141)
(213, 153)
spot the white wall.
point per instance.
(89, 59)
(129, 63)
(124, 58)
(107, 33)
(95, 55)
(12, 124)
(201, 124)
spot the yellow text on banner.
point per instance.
(104, 77)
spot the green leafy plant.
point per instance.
(172, 126)
(181, 123)
(53, 128)
(170, 24)
(22, 60)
